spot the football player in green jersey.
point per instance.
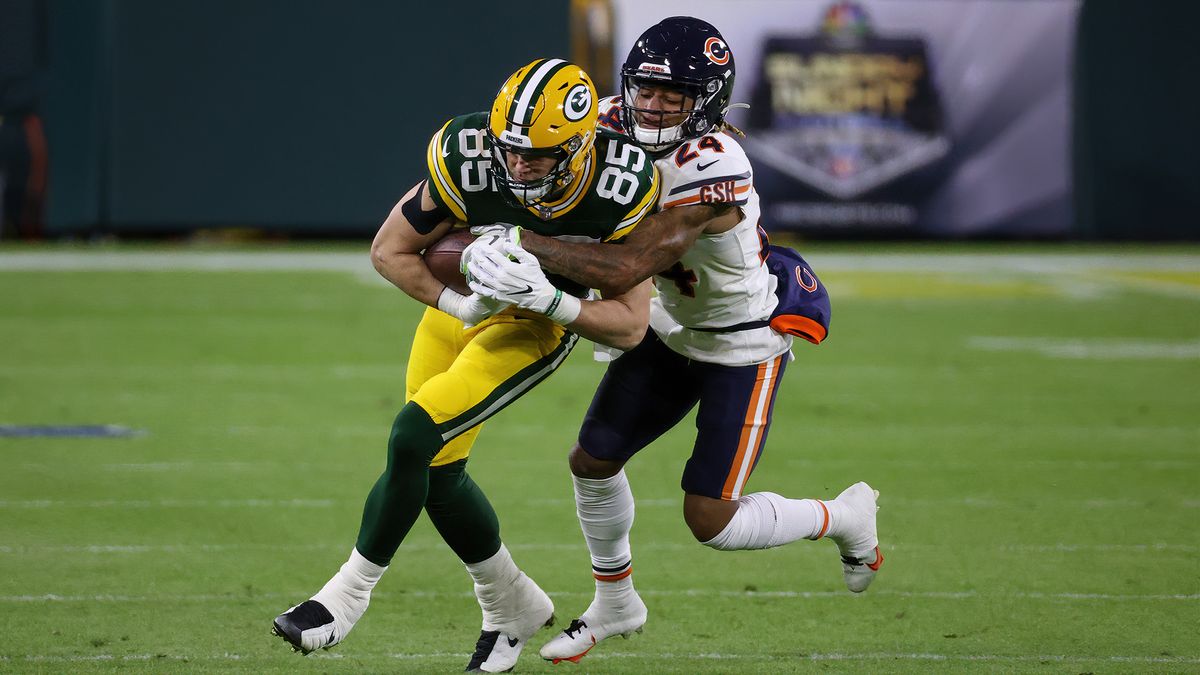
(535, 160)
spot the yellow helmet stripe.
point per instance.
(441, 176)
(527, 93)
(638, 212)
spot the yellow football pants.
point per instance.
(463, 376)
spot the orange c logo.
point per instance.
(811, 284)
(716, 50)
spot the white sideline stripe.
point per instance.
(1159, 547)
(189, 261)
(691, 592)
(1075, 464)
(975, 264)
(711, 656)
(1094, 349)
(166, 503)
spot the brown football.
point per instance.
(442, 257)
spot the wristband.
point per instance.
(451, 302)
(564, 308)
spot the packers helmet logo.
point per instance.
(716, 50)
(578, 103)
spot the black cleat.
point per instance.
(309, 616)
(483, 649)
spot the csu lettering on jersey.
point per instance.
(723, 191)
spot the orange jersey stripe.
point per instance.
(696, 197)
(680, 202)
(751, 439)
(727, 491)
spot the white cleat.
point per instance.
(497, 650)
(858, 541)
(595, 625)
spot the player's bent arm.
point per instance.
(654, 245)
(396, 251)
(619, 321)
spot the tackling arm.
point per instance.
(619, 321)
(616, 268)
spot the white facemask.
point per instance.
(655, 138)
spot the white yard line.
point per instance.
(691, 592)
(1095, 349)
(350, 261)
(968, 501)
(602, 655)
(190, 549)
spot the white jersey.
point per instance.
(721, 281)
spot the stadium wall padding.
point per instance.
(1137, 121)
(302, 116)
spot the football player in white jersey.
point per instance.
(709, 344)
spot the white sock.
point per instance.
(347, 594)
(838, 524)
(605, 509)
(493, 578)
(837, 518)
(766, 520)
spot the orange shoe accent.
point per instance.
(575, 659)
(825, 524)
(878, 560)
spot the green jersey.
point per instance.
(617, 187)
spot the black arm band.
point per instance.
(422, 221)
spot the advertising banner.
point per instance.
(897, 117)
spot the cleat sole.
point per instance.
(278, 632)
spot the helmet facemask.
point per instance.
(695, 121)
(522, 193)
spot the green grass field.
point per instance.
(1031, 417)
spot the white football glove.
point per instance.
(492, 236)
(513, 275)
(470, 309)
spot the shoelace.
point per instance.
(576, 626)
